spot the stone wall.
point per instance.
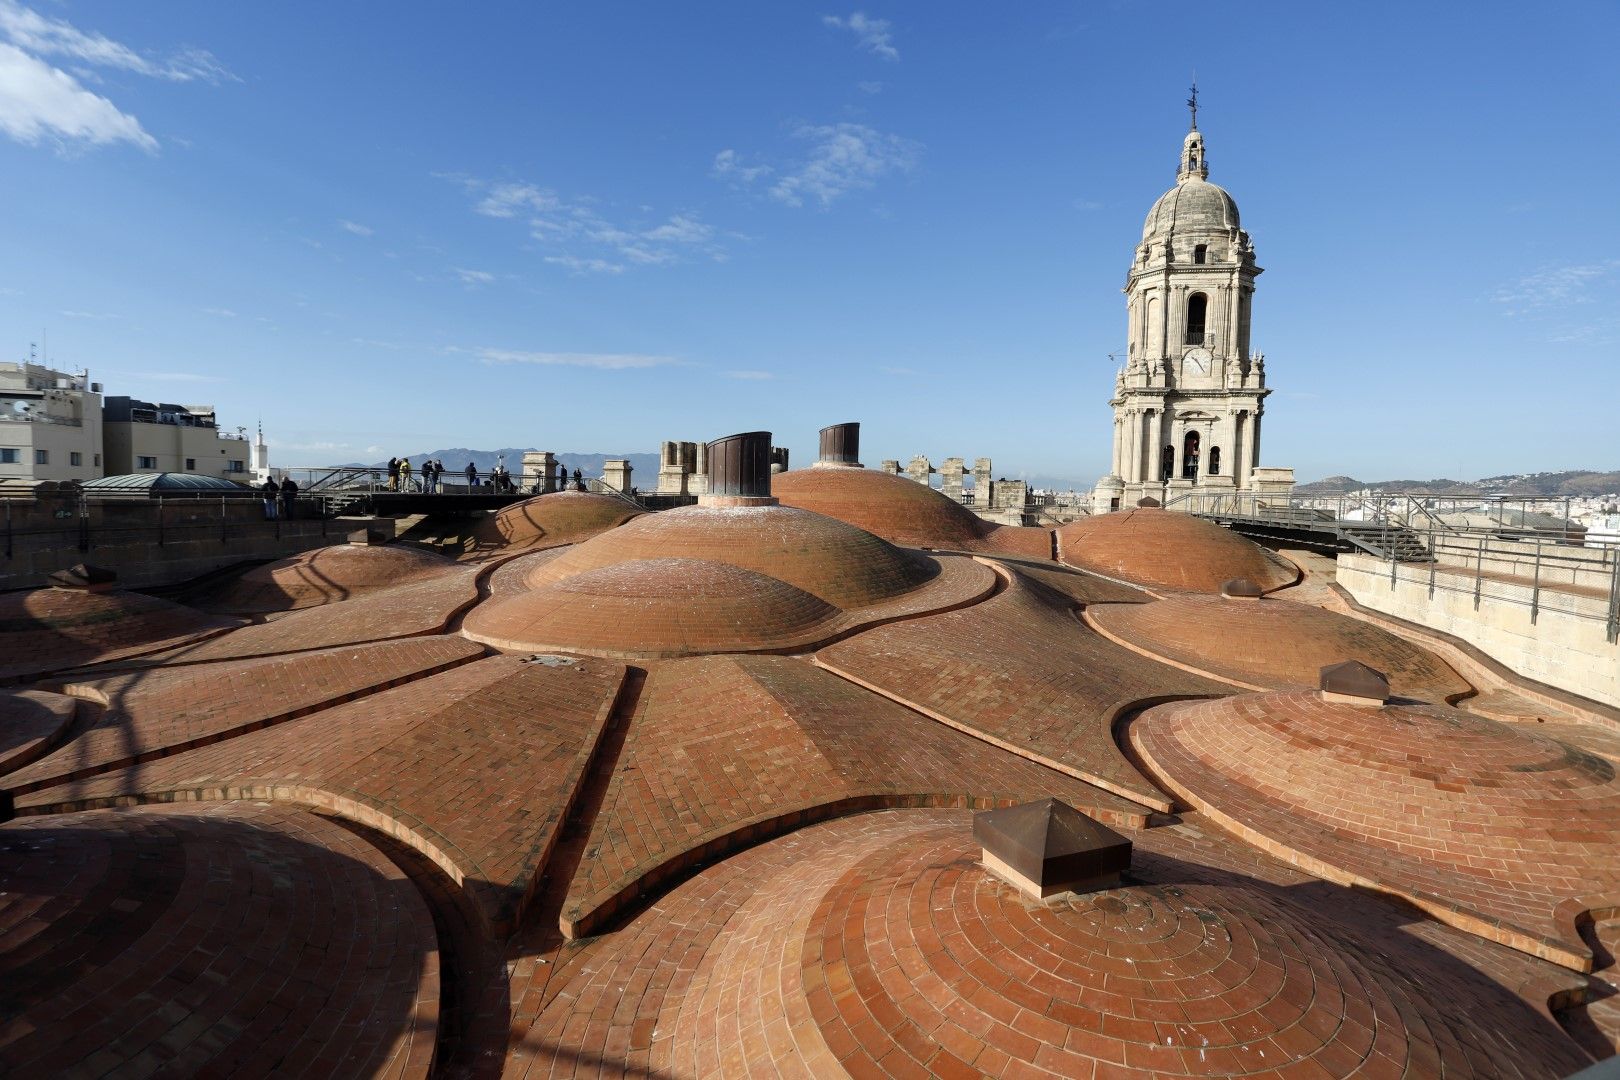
(1565, 646)
(152, 544)
(1560, 564)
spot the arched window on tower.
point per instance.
(1189, 456)
(1214, 461)
(1197, 307)
(1199, 253)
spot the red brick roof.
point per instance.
(563, 517)
(1165, 549)
(1273, 643)
(46, 630)
(326, 575)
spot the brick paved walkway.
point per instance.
(474, 767)
(1488, 826)
(29, 720)
(1273, 644)
(151, 714)
(326, 575)
(241, 940)
(875, 946)
(1020, 670)
(724, 750)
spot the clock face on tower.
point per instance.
(1195, 363)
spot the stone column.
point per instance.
(982, 486)
(919, 469)
(616, 474)
(950, 474)
(890, 466)
(537, 465)
(698, 482)
(671, 477)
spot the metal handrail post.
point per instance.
(1434, 561)
(1535, 587)
(1614, 603)
(1479, 571)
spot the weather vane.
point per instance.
(1192, 103)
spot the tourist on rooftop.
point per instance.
(289, 495)
(393, 474)
(562, 477)
(472, 476)
(405, 474)
(579, 481)
(270, 494)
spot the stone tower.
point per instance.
(1188, 403)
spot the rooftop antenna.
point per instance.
(1192, 102)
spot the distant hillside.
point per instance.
(1576, 483)
(644, 466)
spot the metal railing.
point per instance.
(1507, 515)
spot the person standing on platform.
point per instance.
(289, 497)
(270, 492)
(393, 474)
(472, 477)
(405, 474)
(562, 477)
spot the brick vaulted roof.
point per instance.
(904, 512)
(1167, 550)
(690, 794)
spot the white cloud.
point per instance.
(98, 316)
(1555, 287)
(600, 361)
(869, 86)
(752, 376)
(728, 163)
(579, 237)
(870, 34)
(312, 446)
(221, 312)
(843, 158)
(473, 277)
(44, 36)
(39, 101)
(355, 227)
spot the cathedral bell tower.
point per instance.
(1187, 404)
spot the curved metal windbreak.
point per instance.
(741, 465)
(842, 443)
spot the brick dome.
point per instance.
(904, 512)
(843, 565)
(1165, 549)
(43, 630)
(1273, 644)
(564, 517)
(258, 938)
(657, 607)
(1489, 825)
(326, 575)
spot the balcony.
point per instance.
(40, 418)
(1199, 337)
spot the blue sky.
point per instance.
(595, 226)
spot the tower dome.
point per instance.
(1193, 205)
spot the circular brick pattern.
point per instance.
(1272, 643)
(30, 721)
(1496, 822)
(918, 962)
(564, 517)
(902, 511)
(838, 563)
(326, 575)
(209, 939)
(1165, 549)
(656, 607)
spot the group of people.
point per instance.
(284, 495)
(499, 480)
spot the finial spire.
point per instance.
(1192, 103)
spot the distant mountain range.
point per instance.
(1577, 483)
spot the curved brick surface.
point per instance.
(1274, 644)
(474, 767)
(656, 608)
(875, 946)
(409, 610)
(904, 512)
(723, 749)
(210, 941)
(1489, 826)
(1080, 587)
(508, 579)
(838, 563)
(1020, 670)
(1164, 549)
(564, 517)
(151, 714)
(29, 720)
(325, 576)
(45, 630)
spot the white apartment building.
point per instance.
(145, 436)
(50, 425)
